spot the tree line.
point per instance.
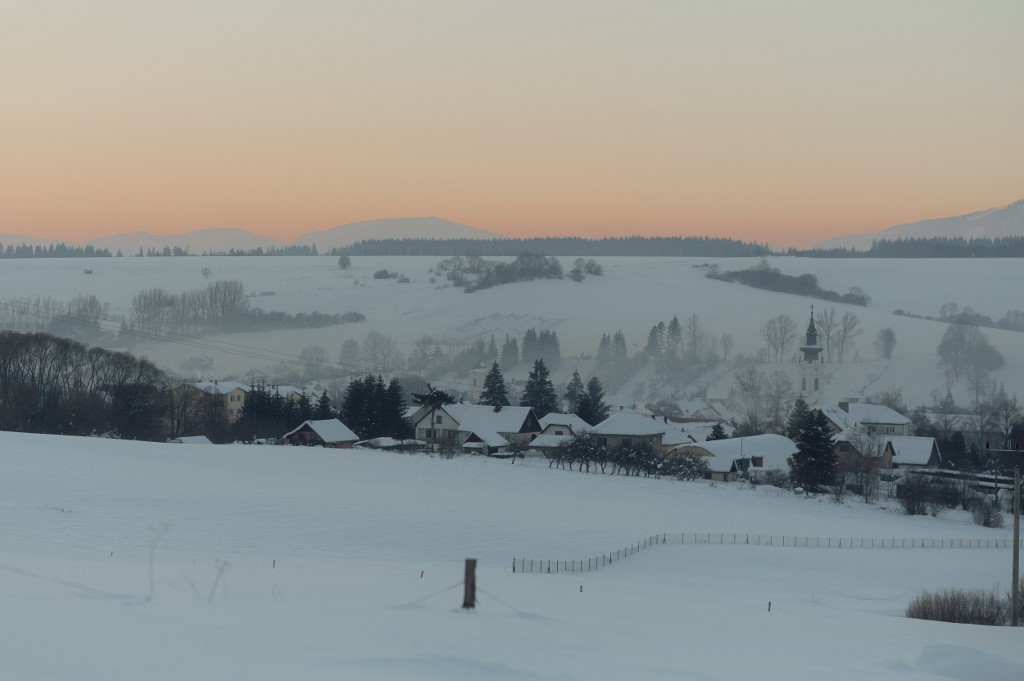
(689, 246)
(770, 278)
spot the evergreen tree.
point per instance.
(392, 421)
(324, 410)
(574, 391)
(653, 346)
(674, 335)
(304, 409)
(494, 393)
(814, 466)
(529, 351)
(492, 350)
(717, 433)
(539, 392)
(510, 352)
(591, 407)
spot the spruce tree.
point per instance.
(324, 410)
(539, 392)
(510, 352)
(592, 408)
(717, 433)
(574, 391)
(494, 393)
(814, 466)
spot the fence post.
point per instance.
(469, 585)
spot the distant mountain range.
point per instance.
(993, 223)
(226, 238)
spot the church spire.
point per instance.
(812, 331)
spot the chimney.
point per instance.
(845, 406)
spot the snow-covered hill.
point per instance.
(220, 239)
(127, 560)
(996, 222)
(394, 228)
(632, 295)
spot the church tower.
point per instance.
(812, 378)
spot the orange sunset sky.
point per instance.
(784, 122)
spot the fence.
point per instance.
(730, 539)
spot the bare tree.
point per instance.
(787, 333)
(379, 352)
(777, 391)
(847, 330)
(885, 343)
(314, 359)
(749, 397)
(770, 334)
(726, 345)
(350, 357)
(693, 335)
(827, 322)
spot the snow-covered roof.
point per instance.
(221, 387)
(630, 423)
(457, 411)
(549, 441)
(575, 423)
(676, 436)
(388, 442)
(411, 411)
(911, 451)
(774, 449)
(487, 438)
(329, 430)
(857, 412)
(192, 440)
(480, 417)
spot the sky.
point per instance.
(782, 122)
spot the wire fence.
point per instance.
(773, 540)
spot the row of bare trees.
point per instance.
(55, 385)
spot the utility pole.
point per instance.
(1015, 584)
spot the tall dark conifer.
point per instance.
(539, 393)
(494, 393)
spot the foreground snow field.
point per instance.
(124, 560)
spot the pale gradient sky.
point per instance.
(785, 122)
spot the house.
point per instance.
(912, 452)
(513, 424)
(874, 418)
(557, 428)
(324, 433)
(219, 400)
(755, 455)
(438, 426)
(628, 428)
(484, 442)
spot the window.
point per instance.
(437, 419)
(815, 383)
(428, 434)
(627, 442)
(558, 432)
(803, 384)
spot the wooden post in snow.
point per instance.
(469, 585)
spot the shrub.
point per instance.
(960, 607)
(986, 512)
(777, 478)
(381, 274)
(352, 317)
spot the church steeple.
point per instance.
(812, 379)
(811, 351)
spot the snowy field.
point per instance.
(633, 295)
(124, 560)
